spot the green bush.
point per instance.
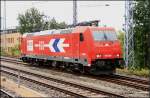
(15, 51)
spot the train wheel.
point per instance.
(62, 65)
(81, 69)
(32, 61)
(41, 63)
(24, 59)
(67, 67)
(94, 71)
(54, 64)
(49, 63)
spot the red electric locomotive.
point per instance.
(85, 48)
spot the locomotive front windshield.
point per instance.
(104, 35)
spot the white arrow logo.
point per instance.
(55, 45)
(61, 45)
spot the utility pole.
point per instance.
(4, 25)
(74, 12)
(129, 34)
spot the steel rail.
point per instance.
(45, 85)
(127, 83)
(65, 82)
(141, 81)
(5, 94)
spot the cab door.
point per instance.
(75, 46)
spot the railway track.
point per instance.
(131, 82)
(118, 79)
(5, 94)
(66, 87)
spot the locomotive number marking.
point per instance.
(40, 45)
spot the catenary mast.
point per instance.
(129, 34)
(74, 12)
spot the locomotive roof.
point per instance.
(78, 29)
(83, 28)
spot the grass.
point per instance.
(144, 72)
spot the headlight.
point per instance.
(98, 55)
(117, 55)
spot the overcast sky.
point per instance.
(112, 15)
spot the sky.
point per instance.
(111, 16)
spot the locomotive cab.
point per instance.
(106, 51)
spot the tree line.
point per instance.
(141, 20)
(33, 21)
(141, 29)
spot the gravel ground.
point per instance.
(47, 91)
(99, 84)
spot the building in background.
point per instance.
(10, 38)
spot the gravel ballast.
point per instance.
(94, 83)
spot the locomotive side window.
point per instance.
(81, 37)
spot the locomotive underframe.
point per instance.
(99, 66)
(105, 66)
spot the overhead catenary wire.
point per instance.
(100, 5)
